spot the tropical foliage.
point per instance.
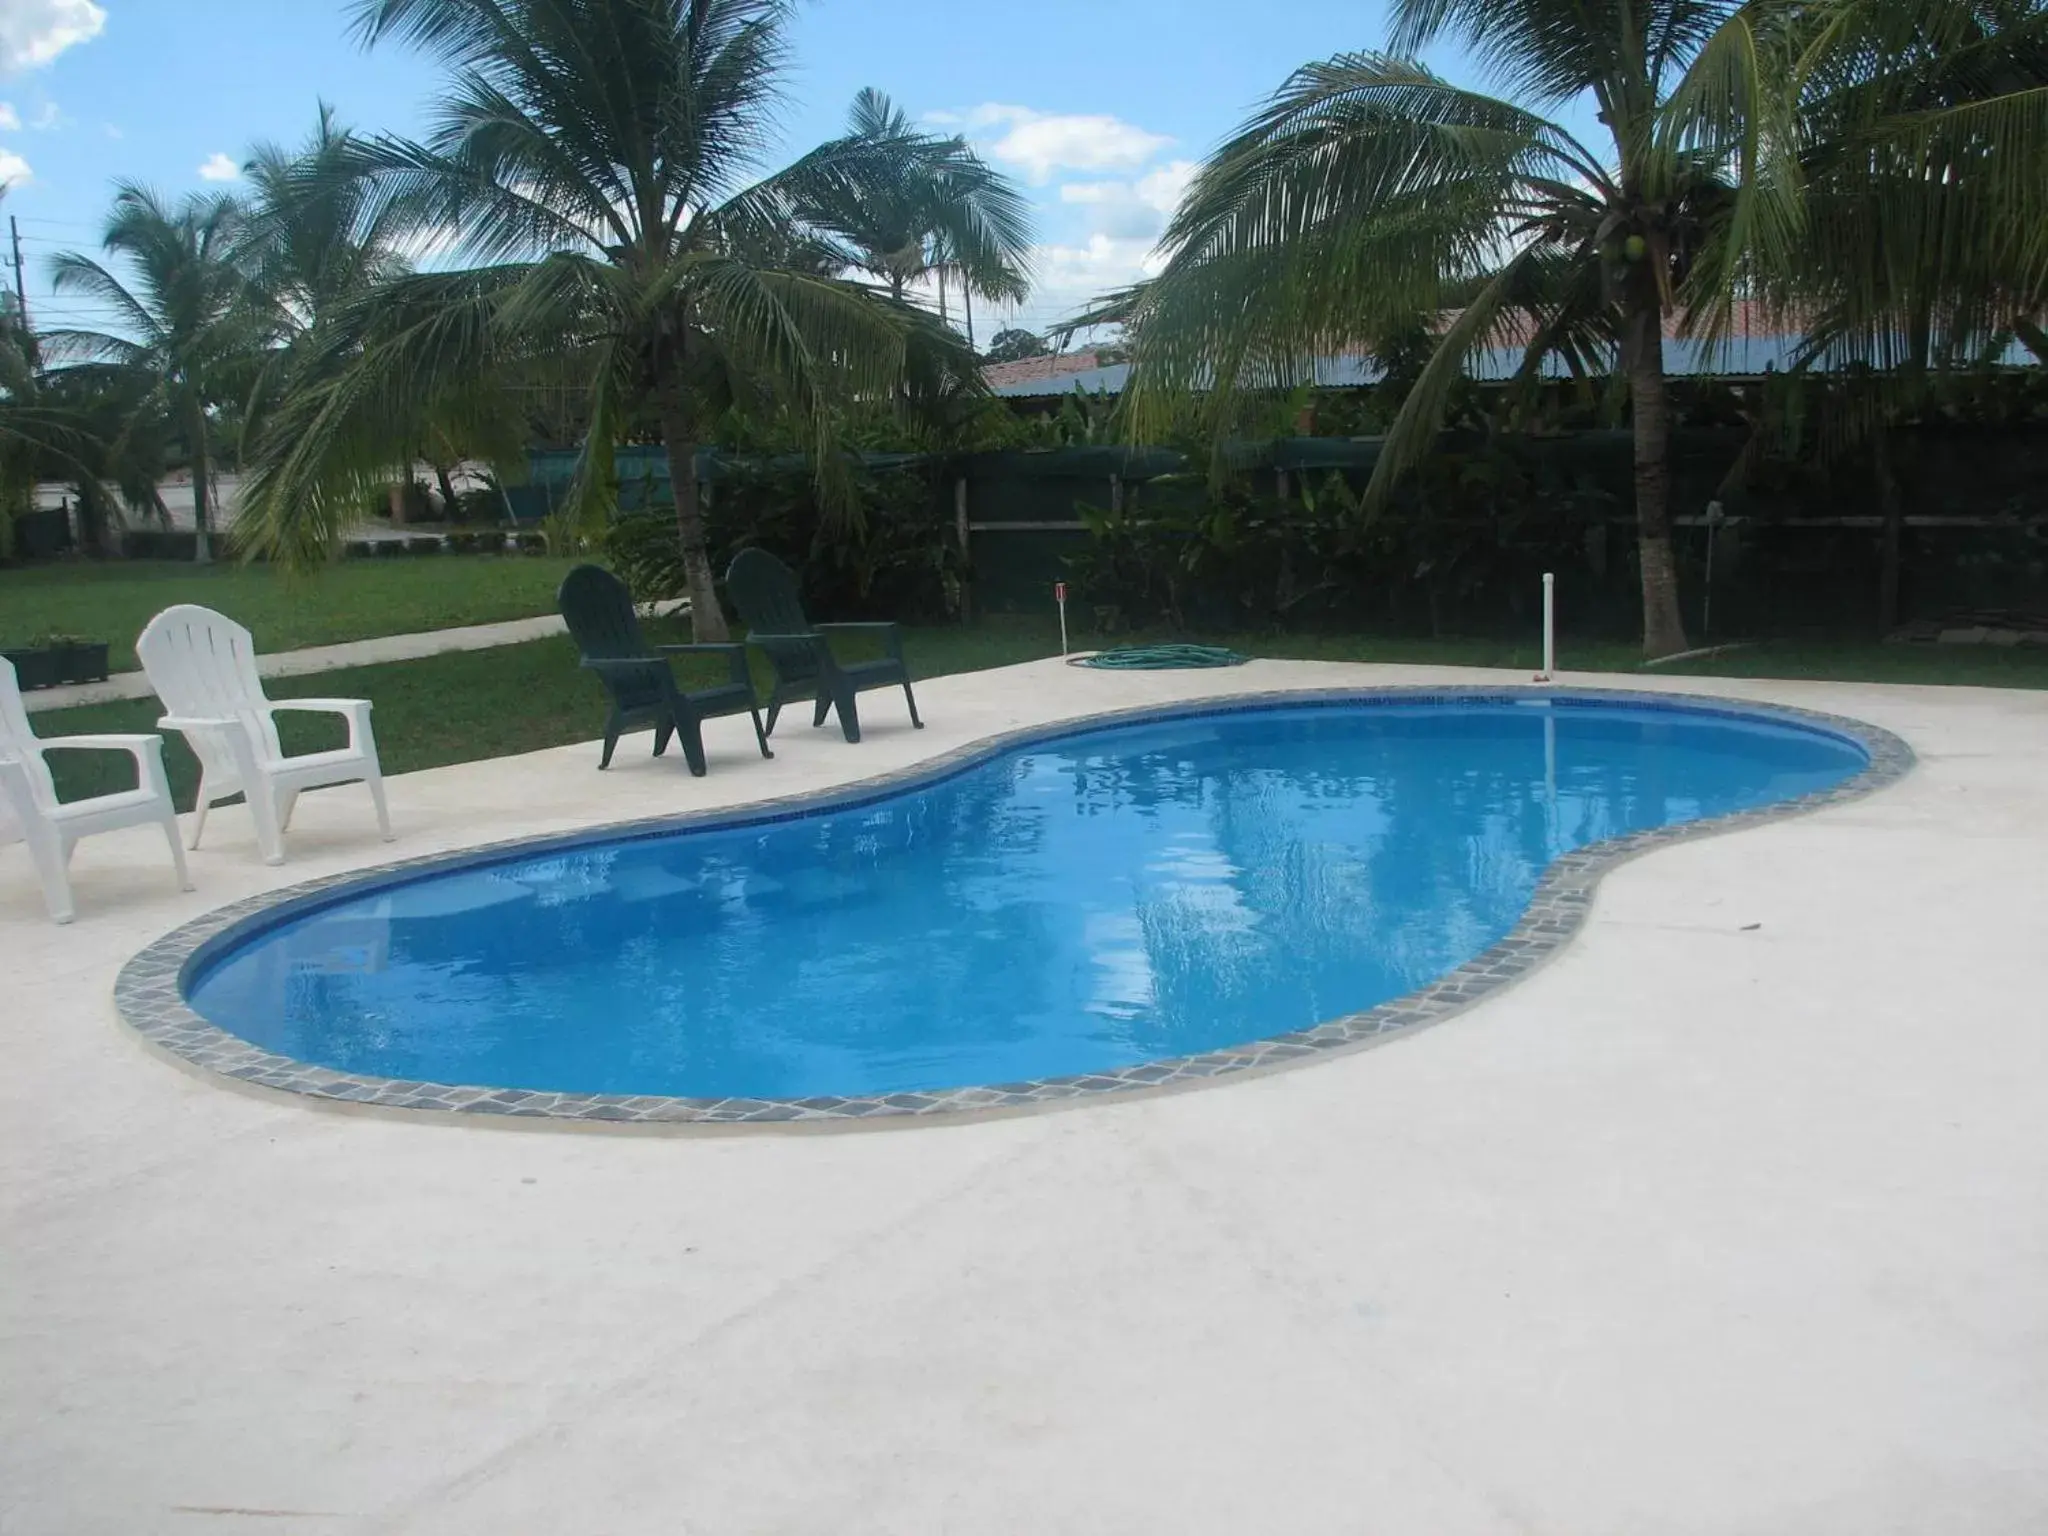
(1014, 346)
(596, 161)
(921, 207)
(1744, 143)
(188, 336)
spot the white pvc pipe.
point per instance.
(1549, 628)
(1550, 776)
(1059, 591)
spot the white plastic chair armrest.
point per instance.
(357, 710)
(148, 752)
(137, 745)
(325, 706)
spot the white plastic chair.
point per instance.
(31, 813)
(203, 666)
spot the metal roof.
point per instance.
(1741, 357)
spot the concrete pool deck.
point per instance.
(1705, 1227)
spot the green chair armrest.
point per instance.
(807, 637)
(890, 631)
(734, 653)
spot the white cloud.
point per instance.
(1068, 278)
(1132, 210)
(1164, 188)
(113, 130)
(33, 32)
(219, 167)
(1045, 142)
(50, 117)
(14, 171)
(10, 120)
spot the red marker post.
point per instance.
(1059, 595)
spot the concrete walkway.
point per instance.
(322, 658)
(1732, 1219)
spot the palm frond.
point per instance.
(429, 347)
(1357, 200)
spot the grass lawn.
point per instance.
(520, 698)
(353, 600)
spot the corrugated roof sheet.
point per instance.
(1738, 357)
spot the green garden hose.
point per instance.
(1154, 658)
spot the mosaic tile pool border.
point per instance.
(149, 992)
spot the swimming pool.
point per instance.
(1075, 909)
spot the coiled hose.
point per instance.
(1156, 658)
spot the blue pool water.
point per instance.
(1133, 893)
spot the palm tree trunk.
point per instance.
(447, 487)
(707, 619)
(1650, 408)
(202, 551)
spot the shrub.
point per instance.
(1462, 546)
(477, 505)
(533, 543)
(894, 556)
(644, 551)
(159, 544)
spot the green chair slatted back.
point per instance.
(765, 592)
(771, 606)
(599, 610)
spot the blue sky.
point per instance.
(1099, 107)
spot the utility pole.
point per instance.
(20, 287)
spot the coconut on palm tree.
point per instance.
(189, 336)
(598, 164)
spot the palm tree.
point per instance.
(1924, 147)
(592, 157)
(1370, 190)
(316, 237)
(926, 206)
(191, 334)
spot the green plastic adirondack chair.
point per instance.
(643, 690)
(765, 592)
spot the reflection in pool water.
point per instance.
(1134, 893)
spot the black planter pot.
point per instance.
(85, 663)
(35, 668)
(52, 666)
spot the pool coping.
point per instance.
(149, 992)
